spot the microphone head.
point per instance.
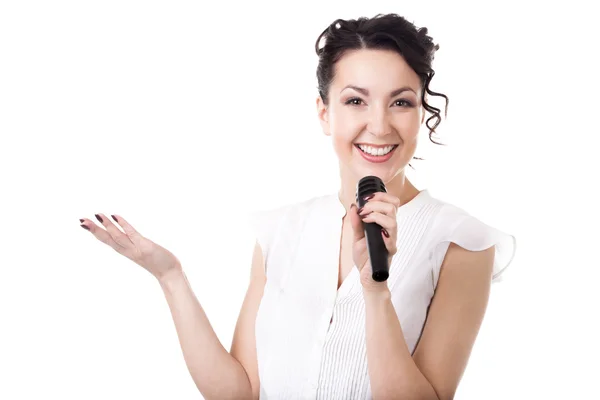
(366, 186)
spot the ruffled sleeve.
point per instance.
(472, 234)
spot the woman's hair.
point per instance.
(386, 32)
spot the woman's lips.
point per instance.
(376, 159)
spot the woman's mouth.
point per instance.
(376, 154)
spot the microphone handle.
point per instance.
(378, 253)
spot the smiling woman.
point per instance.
(314, 324)
(360, 110)
(323, 328)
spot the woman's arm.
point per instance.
(217, 373)
(440, 358)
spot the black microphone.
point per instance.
(378, 253)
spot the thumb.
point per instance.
(356, 222)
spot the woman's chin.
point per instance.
(385, 173)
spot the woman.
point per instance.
(312, 326)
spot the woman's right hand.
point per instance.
(152, 257)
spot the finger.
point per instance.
(390, 242)
(127, 228)
(389, 225)
(382, 220)
(386, 223)
(100, 234)
(386, 198)
(379, 206)
(355, 221)
(116, 234)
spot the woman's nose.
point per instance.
(379, 123)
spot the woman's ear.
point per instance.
(323, 115)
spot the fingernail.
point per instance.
(385, 233)
(84, 227)
(81, 220)
(113, 217)
(360, 210)
(99, 218)
(369, 197)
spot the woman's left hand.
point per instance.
(381, 209)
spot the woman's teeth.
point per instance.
(381, 151)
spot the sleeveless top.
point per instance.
(300, 354)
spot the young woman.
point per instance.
(314, 324)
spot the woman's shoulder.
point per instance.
(450, 218)
(452, 223)
(267, 223)
(446, 214)
(288, 210)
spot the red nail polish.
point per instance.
(385, 233)
(84, 227)
(99, 218)
(369, 197)
(113, 217)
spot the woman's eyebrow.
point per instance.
(366, 92)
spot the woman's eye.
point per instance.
(355, 101)
(403, 103)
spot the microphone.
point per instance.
(378, 253)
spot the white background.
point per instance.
(185, 116)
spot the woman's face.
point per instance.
(374, 113)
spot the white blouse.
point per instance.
(300, 354)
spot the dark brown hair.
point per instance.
(386, 32)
